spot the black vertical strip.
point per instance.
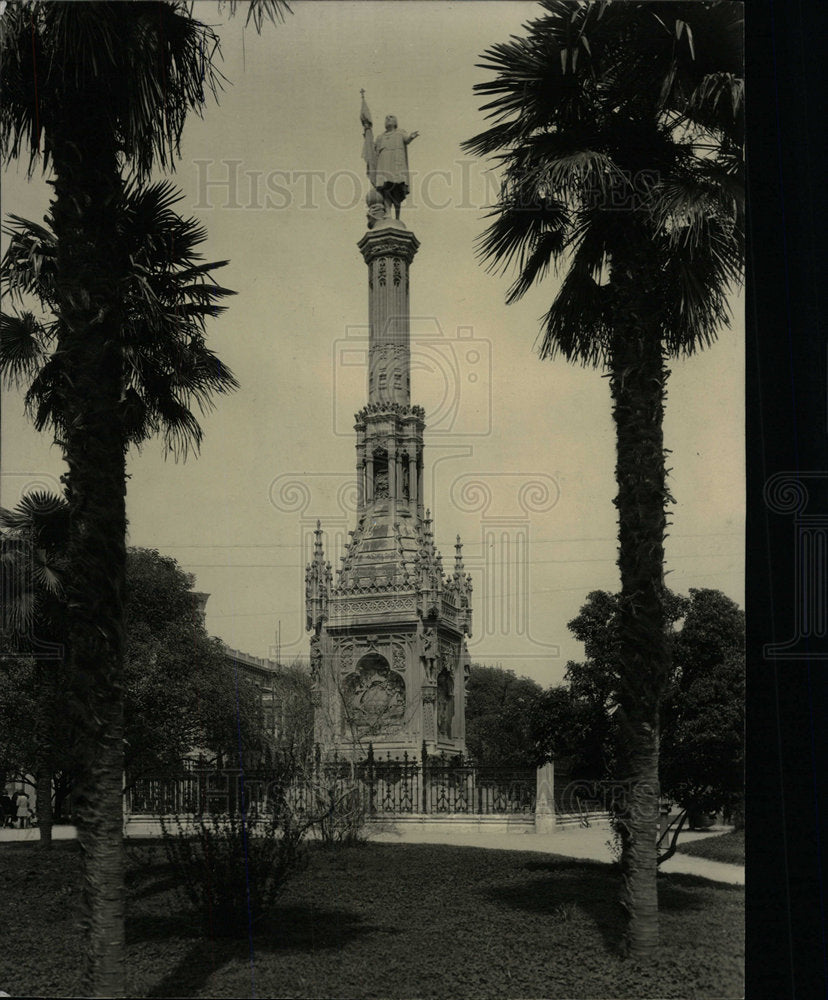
(787, 431)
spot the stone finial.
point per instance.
(318, 580)
(458, 559)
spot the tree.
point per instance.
(35, 737)
(167, 296)
(575, 719)
(499, 715)
(574, 732)
(702, 739)
(88, 88)
(619, 130)
(179, 693)
(702, 748)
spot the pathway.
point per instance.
(590, 844)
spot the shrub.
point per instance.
(341, 811)
(231, 869)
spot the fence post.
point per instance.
(545, 798)
(425, 778)
(371, 790)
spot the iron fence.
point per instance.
(388, 786)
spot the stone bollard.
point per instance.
(545, 799)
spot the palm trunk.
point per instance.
(90, 271)
(639, 854)
(43, 788)
(637, 380)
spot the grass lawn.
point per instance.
(728, 847)
(383, 920)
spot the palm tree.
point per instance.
(88, 90)
(618, 130)
(33, 625)
(167, 297)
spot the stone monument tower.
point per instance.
(388, 654)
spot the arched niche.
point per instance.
(445, 703)
(374, 698)
(381, 485)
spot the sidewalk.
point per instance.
(591, 844)
(585, 844)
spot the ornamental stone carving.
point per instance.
(390, 628)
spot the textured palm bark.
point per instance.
(637, 380)
(90, 271)
(639, 856)
(43, 789)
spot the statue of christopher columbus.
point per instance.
(387, 164)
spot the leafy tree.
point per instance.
(179, 693)
(35, 736)
(499, 716)
(574, 732)
(619, 130)
(702, 747)
(702, 738)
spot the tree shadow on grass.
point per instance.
(677, 891)
(595, 888)
(589, 885)
(289, 928)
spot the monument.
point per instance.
(388, 654)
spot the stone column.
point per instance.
(360, 471)
(369, 477)
(430, 714)
(393, 492)
(388, 250)
(545, 799)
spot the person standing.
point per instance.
(22, 810)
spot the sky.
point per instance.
(520, 453)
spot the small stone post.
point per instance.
(545, 799)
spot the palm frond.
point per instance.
(579, 321)
(29, 265)
(22, 347)
(258, 11)
(168, 296)
(517, 229)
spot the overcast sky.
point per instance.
(519, 453)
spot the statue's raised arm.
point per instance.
(387, 163)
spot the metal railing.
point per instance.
(389, 786)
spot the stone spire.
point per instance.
(318, 577)
(388, 654)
